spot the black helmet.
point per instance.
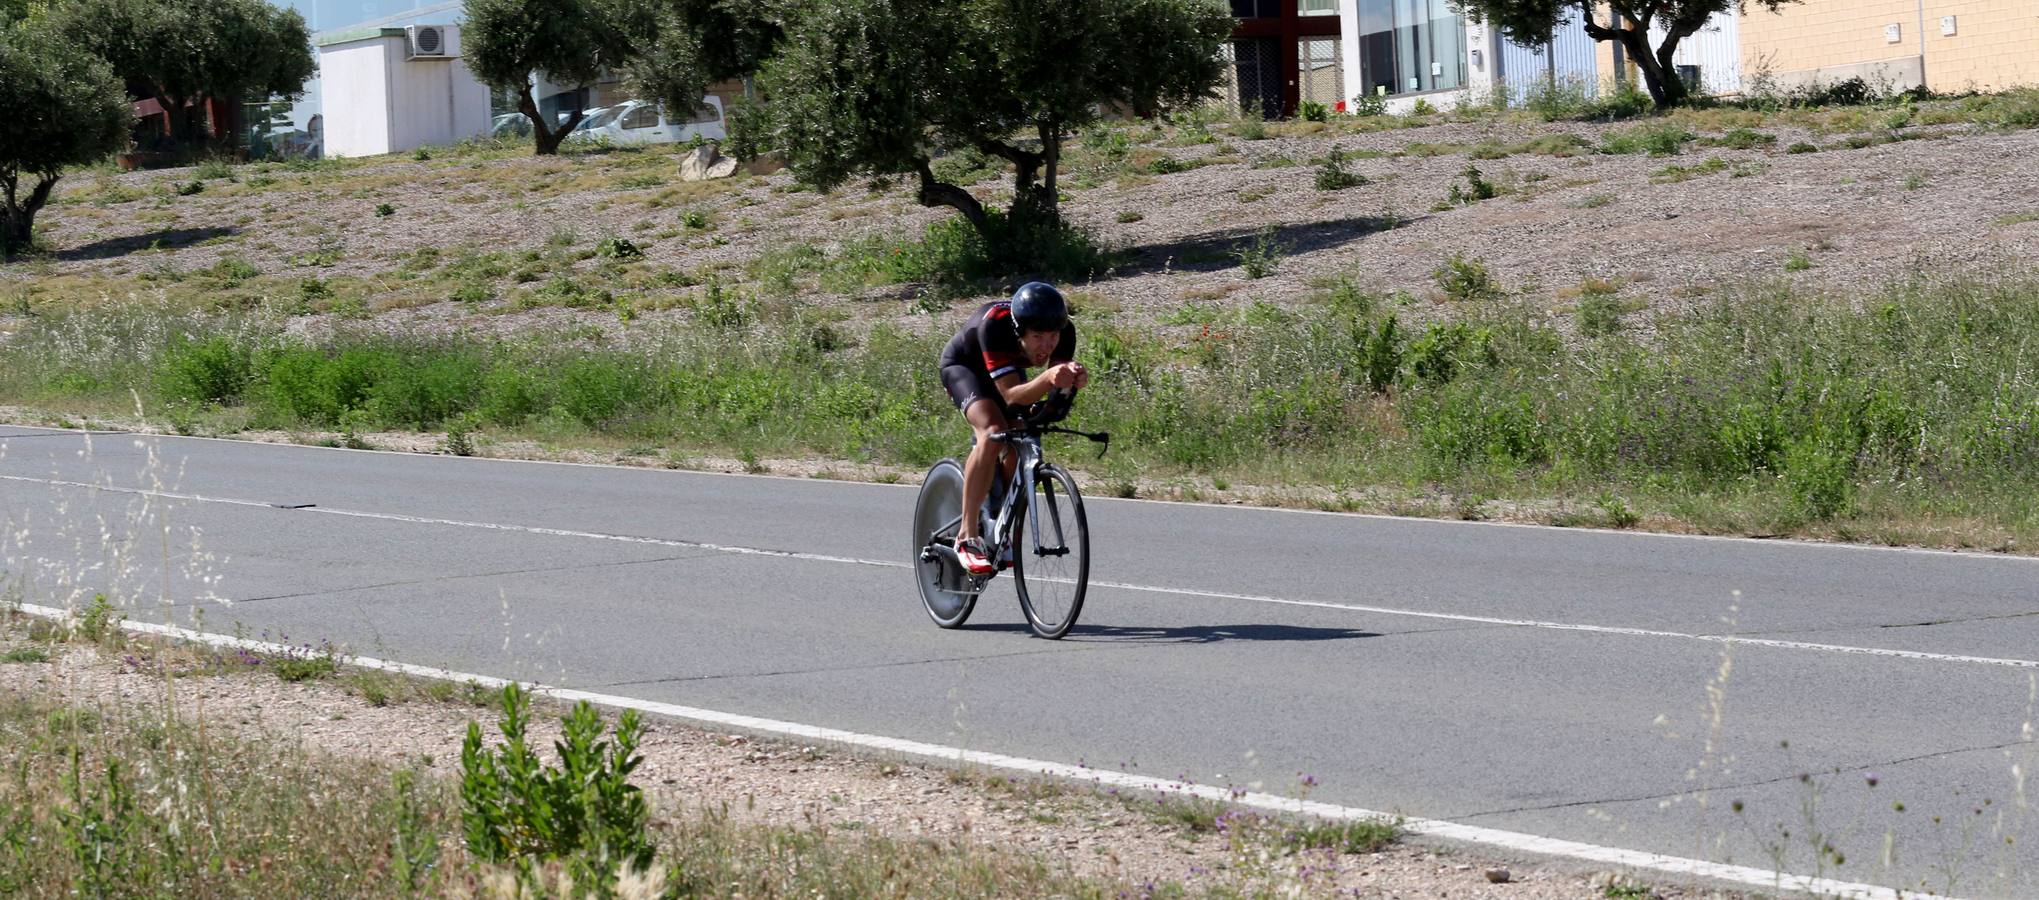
(1039, 307)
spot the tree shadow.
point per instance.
(1189, 634)
(1213, 251)
(122, 246)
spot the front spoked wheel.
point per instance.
(1051, 553)
(948, 592)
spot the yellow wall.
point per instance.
(1996, 44)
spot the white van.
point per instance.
(645, 122)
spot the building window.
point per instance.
(1256, 9)
(1316, 7)
(1410, 46)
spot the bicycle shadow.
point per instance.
(1189, 634)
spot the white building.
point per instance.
(389, 90)
(1286, 53)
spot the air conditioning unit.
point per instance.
(432, 41)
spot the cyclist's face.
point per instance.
(1039, 344)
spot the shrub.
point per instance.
(1569, 98)
(1743, 139)
(384, 210)
(213, 168)
(426, 387)
(318, 386)
(233, 270)
(614, 247)
(1820, 478)
(1353, 836)
(303, 664)
(1333, 176)
(1260, 258)
(582, 811)
(216, 370)
(1314, 111)
(1600, 312)
(1445, 350)
(1167, 165)
(1658, 139)
(596, 390)
(1380, 353)
(1476, 189)
(1369, 105)
(1465, 280)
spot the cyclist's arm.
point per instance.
(1020, 392)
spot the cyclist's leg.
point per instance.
(986, 419)
(978, 398)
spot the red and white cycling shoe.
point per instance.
(975, 560)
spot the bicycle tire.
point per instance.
(1050, 588)
(942, 583)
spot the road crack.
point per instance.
(445, 578)
(1745, 785)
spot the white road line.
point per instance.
(1799, 543)
(1125, 586)
(1513, 841)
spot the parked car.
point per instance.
(519, 125)
(645, 122)
(511, 125)
(596, 117)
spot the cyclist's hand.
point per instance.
(1082, 375)
(1065, 375)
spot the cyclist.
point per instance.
(984, 368)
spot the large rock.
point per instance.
(706, 162)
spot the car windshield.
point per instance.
(599, 118)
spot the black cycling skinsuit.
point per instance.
(987, 349)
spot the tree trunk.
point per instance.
(1050, 202)
(1026, 170)
(175, 115)
(17, 219)
(934, 192)
(1660, 72)
(548, 138)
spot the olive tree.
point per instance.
(878, 88)
(670, 49)
(682, 46)
(181, 52)
(64, 107)
(1532, 23)
(508, 42)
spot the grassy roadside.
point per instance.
(1907, 417)
(141, 795)
(128, 802)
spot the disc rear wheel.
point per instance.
(946, 590)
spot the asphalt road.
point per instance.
(1620, 689)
